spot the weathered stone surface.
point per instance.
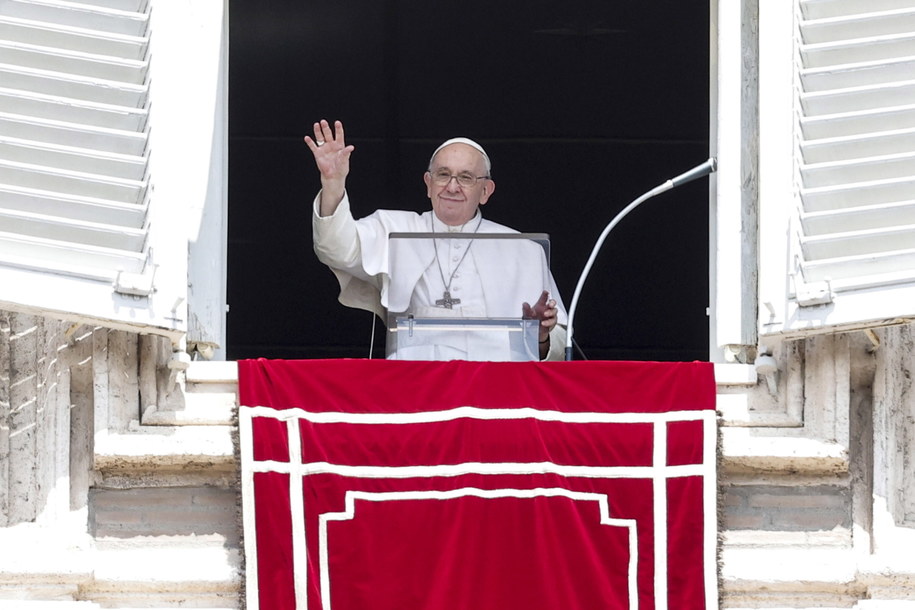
(4, 418)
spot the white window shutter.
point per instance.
(851, 225)
(77, 235)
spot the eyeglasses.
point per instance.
(442, 177)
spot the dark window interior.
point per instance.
(582, 105)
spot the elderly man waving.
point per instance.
(462, 279)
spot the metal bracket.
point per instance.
(135, 284)
(813, 294)
(138, 284)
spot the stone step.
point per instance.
(46, 605)
(213, 372)
(70, 605)
(183, 448)
(795, 577)
(196, 435)
(199, 409)
(53, 569)
(166, 575)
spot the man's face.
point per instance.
(452, 203)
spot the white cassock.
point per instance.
(490, 277)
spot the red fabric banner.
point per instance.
(469, 485)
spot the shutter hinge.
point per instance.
(813, 294)
(136, 284)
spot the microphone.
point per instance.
(697, 172)
(700, 171)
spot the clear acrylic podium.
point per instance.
(432, 318)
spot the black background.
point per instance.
(582, 105)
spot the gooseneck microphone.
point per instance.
(697, 172)
(700, 171)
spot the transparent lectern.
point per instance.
(458, 296)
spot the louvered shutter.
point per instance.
(851, 256)
(75, 196)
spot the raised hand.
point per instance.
(331, 155)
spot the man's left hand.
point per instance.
(545, 310)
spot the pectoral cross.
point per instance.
(446, 301)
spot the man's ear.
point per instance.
(489, 187)
(427, 178)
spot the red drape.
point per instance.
(462, 485)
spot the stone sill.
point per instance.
(160, 447)
(789, 575)
(837, 538)
(789, 569)
(158, 568)
(200, 409)
(735, 374)
(49, 559)
(214, 371)
(70, 605)
(749, 450)
(20, 604)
